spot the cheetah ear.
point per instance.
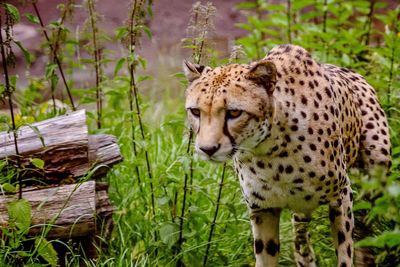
(263, 73)
(194, 71)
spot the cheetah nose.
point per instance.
(210, 150)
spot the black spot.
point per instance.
(369, 125)
(349, 251)
(252, 170)
(301, 138)
(258, 246)
(341, 237)
(272, 248)
(347, 226)
(298, 181)
(303, 100)
(307, 159)
(258, 196)
(308, 197)
(289, 169)
(384, 151)
(328, 92)
(343, 264)
(260, 164)
(280, 168)
(283, 154)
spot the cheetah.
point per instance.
(292, 127)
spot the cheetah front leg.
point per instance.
(303, 252)
(265, 225)
(342, 223)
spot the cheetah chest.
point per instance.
(277, 183)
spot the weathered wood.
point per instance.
(104, 152)
(74, 210)
(64, 145)
(62, 142)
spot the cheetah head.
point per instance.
(230, 108)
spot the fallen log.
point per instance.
(64, 145)
(68, 211)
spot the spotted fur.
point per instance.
(293, 127)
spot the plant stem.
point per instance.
(58, 62)
(325, 16)
(97, 63)
(390, 83)
(8, 91)
(289, 20)
(190, 153)
(259, 18)
(56, 47)
(368, 22)
(221, 184)
(133, 88)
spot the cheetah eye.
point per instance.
(195, 112)
(233, 114)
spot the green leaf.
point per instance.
(32, 18)
(36, 130)
(386, 239)
(27, 55)
(362, 205)
(169, 233)
(38, 163)
(147, 31)
(9, 188)
(121, 32)
(19, 213)
(50, 69)
(46, 250)
(119, 65)
(13, 11)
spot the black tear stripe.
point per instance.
(231, 139)
(198, 128)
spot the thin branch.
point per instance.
(289, 20)
(368, 22)
(97, 63)
(221, 184)
(8, 93)
(133, 34)
(58, 62)
(325, 16)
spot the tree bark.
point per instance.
(64, 145)
(71, 210)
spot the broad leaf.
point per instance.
(46, 251)
(19, 213)
(38, 163)
(13, 11)
(169, 234)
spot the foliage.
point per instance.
(161, 217)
